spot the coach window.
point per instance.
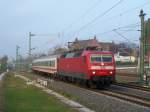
(43, 64)
(49, 63)
(53, 63)
(46, 64)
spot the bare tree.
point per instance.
(57, 50)
(3, 61)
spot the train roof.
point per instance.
(70, 54)
(46, 58)
(102, 52)
(74, 54)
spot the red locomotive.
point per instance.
(91, 67)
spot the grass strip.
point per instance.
(20, 97)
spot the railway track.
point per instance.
(128, 74)
(140, 100)
(127, 97)
(122, 95)
(133, 86)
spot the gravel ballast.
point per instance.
(96, 101)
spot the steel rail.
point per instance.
(133, 86)
(128, 97)
(114, 94)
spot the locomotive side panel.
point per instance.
(73, 67)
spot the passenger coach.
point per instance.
(46, 64)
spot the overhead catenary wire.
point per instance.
(46, 35)
(81, 17)
(137, 7)
(129, 26)
(84, 14)
(133, 25)
(121, 35)
(53, 38)
(121, 27)
(124, 37)
(127, 11)
(122, 13)
(116, 30)
(99, 16)
(127, 30)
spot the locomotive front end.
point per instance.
(102, 67)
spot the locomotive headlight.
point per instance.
(102, 64)
(93, 72)
(110, 72)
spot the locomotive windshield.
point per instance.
(96, 58)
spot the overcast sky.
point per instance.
(55, 22)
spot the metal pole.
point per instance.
(16, 58)
(17, 54)
(142, 47)
(29, 44)
(29, 51)
(19, 63)
(149, 61)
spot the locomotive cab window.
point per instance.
(96, 58)
(107, 58)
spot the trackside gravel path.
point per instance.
(93, 100)
(98, 102)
